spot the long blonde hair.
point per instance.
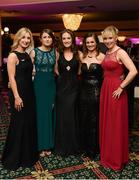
(19, 35)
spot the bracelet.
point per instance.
(121, 87)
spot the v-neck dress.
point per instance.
(66, 106)
(91, 80)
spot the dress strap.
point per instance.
(36, 50)
(117, 50)
(115, 55)
(53, 52)
(20, 55)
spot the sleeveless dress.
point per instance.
(66, 106)
(45, 90)
(21, 144)
(113, 116)
(91, 79)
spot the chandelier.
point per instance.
(121, 38)
(72, 21)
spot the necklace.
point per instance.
(90, 56)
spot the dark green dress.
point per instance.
(44, 84)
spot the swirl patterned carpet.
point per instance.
(72, 167)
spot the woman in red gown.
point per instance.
(113, 103)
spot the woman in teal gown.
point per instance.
(44, 84)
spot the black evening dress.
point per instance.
(66, 106)
(21, 145)
(90, 83)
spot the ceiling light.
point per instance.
(72, 21)
(121, 38)
(6, 29)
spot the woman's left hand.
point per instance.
(117, 93)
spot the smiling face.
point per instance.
(66, 40)
(25, 41)
(46, 40)
(91, 43)
(110, 35)
(109, 39)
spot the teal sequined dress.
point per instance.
(44, 84)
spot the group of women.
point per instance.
(78, 99)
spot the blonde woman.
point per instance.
(21, 144)
(113, 103)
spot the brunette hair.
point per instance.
(50, 32)
(85, 50)
(74, 48)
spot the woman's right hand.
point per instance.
(117, 93)
(18, 103)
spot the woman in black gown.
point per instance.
(91, 78)
(21, 144)
(66, 95)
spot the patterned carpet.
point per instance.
(72, 167)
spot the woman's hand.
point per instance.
(9, 85)
(33, 72)
(117, 93)
(18, 103)
(122, 77)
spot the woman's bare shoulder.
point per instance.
(101, 56)
(80, 55)
(12, 55)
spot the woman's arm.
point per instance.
(123, 57)
(101, 57)
(127, 61)
(32, 55)
(11, 66)
(56, 64)
(80, 61)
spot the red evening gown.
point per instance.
(113, 116)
